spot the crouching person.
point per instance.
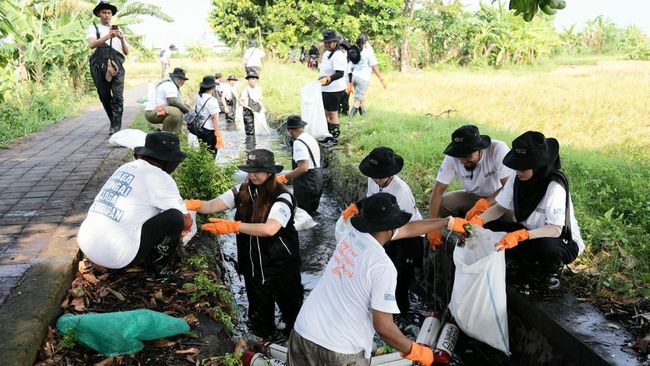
(139, 215)
(355, 297)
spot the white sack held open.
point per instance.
(478, 299)
(312, 110)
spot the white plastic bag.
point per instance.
(342, 227)
(302, 220)
(478, 299)
(128, 138)
(192, 140)
(312, 110)
(187, 237)
(261, 127)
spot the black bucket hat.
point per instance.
(294, 121)
(252, 74)
(104, 5)
(354, 54)
(260, 160)
(232, 77)
(382, 162)
(380, 212)
(532, 150)
(163, 146)
(466, 140)
(208, 82)
(329, 35)
(178, 73)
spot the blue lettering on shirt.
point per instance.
(389, 297)
(119, 185)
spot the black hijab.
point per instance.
(528, 194)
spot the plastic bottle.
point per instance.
(446, 344)
(429, 330)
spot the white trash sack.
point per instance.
(312, 110)
(302, 220)
(190, 234)
(478, 299)
(129, 137)
(261, 127)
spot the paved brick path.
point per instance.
(42, 180)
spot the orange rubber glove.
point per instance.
(193, 205)
(221, 226)
(219, 144)
(349, 89)
(435, 239)
(350, 211)
(457, 224)
(511, 240)
(421, 354)
(479, 207)
(477, 220)
(325, 80)
(281, 178)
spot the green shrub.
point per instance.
(198, 177)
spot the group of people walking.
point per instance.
(520, 191)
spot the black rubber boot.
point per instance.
(361, 111)
(353, 111)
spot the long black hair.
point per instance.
(362, 40)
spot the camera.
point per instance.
(114, 27)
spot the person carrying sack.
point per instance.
(251, 100)
(165, 103)
(545, 232)
(106, 63)
(306, 176)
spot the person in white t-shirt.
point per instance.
(332, 68)
(381, 167)
(251, 101)
(268, 251)
(252, 59)
(165, 103)
(165, 59)
(230, 96)
(477, 162)
(545, 230)
(355, 297)
(139, 215)
(207, 108)
(110, 48)
(361, 74)
(306, 176)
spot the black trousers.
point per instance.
(159, 238)
(549, 253)
(210, 139)
(111, 94)
(308, 188)
(249, 122)
(232, 104)
(405, 254)
(285, 290)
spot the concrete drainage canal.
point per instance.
(316, 246)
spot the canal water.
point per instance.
(316, 246)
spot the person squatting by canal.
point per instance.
(355, 297)
(477, 162)
(267, 242)
(332, 67)
(165, 103)
(545, 231)
(207, 107)
(251, 101)
(106, 63)
(381, 167)
(306, 176)
(140, 209)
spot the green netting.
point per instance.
(118, 333)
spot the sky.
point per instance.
(191, 23)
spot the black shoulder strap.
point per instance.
(199, 112)
(332, 53)
(310, 153)
(96, 30)
(292, 204)
(561, 179)
(235, 192)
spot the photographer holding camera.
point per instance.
(106, 62)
